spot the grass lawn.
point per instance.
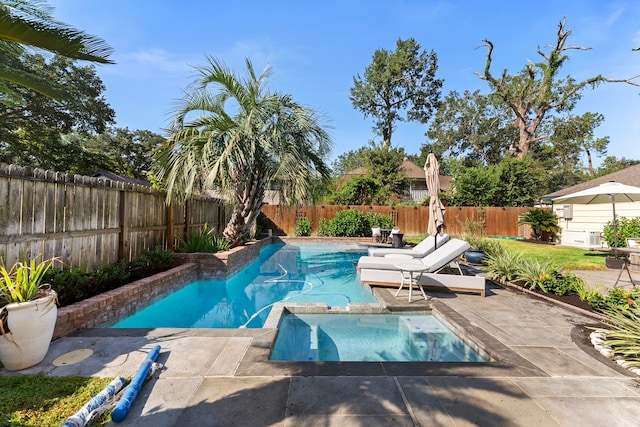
(38, 400)
(563, 257)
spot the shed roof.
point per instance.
(411, 170)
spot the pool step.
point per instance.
(425, 336)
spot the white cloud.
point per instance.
(613, 17)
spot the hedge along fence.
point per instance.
(412, 220)
(91, 222)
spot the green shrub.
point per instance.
(620, 298)
(593, 297)
(626, 227)
(75, 284)
(159, 255)
(505, 265)
(325, 228)
(303, 227)
(204, 240)
(380, 220)
(491, 247)
(346, 223)
(540, 220)
(535, 274)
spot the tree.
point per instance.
(232, 134)
(384, 165)
(398, 82)
(30, 23)
(31, 133)
(612, 164)
(476, 127)
(575, 135)
(538, 89)
(510, 183)
(121, 151)
(350, 160)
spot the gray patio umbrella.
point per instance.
(609, 192)
(436, 223)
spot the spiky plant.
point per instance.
(623, 334)
(504, 265)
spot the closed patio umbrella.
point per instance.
(609, 192)
(436, 223)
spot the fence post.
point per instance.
(170, 225)
(124, 228)
(186, 219)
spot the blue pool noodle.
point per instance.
(131, 392)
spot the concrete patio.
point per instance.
(546, 374)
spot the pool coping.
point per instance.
(254, 359)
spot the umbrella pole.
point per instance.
(615, 226)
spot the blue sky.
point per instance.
(315, 48)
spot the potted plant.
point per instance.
(543, 222)
(28, 314)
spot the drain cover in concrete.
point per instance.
(72, 357)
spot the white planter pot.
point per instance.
(31, 327)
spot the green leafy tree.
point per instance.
(510, 183)
(117, 150)
(384, 165)
(613, 164)
(29, 23)
(476, 127)
(232, 134)
(398, 86)
(538, 89)
(360, 190)
(31, 133)
(520, 182)
(475, 186)
(575, 134)
(354, 159)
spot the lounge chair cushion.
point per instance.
(434, 261)
(422, 249)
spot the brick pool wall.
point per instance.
(122, 302)
(222, 264)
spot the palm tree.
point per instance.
(29, 23)
(240, 138)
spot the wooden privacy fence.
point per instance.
(412, 220)
(91, 222)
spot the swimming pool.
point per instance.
(406, 337)
(284, 272)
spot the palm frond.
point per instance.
(32, 27)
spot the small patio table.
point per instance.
(411, 271)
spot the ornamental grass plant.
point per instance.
(23, 281)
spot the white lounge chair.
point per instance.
(386, 271)
(422, 249)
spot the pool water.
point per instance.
(369, 337)
(292, 273)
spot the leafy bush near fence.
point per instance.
(303, 227)
(626, 227)
(353, 223)
(205, 240)
(75, 284)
